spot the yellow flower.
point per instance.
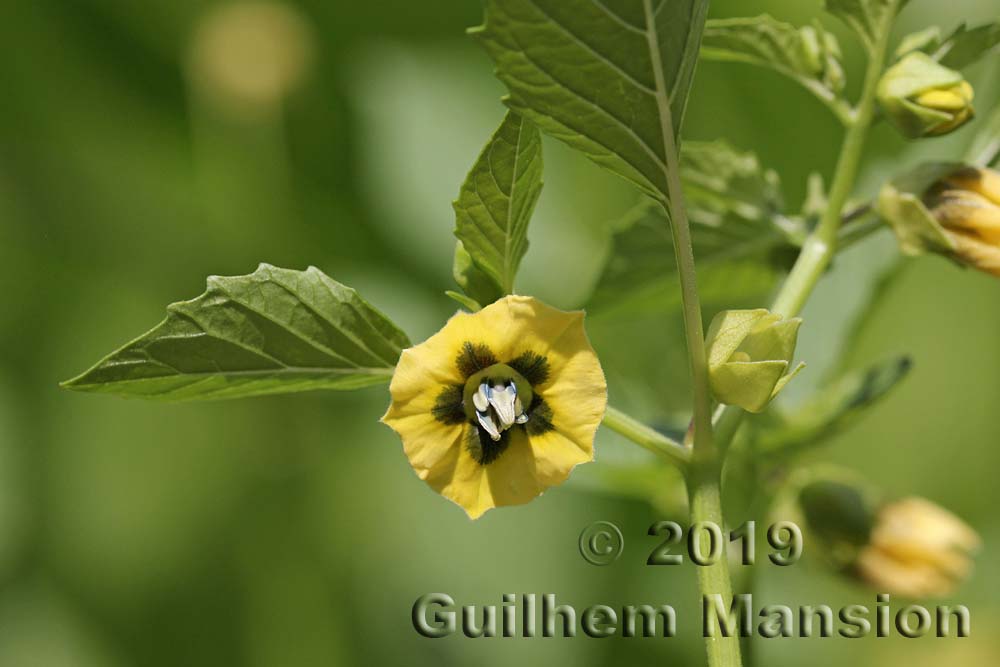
(917, 549)
(500, 404)
(966, 203)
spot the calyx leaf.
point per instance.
(749, 355)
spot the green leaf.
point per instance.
(604, 77)
(495, 205)
(833, 409)
(809, 55)
(273, 331)
(468, 303)
(737, 228)
(965, 45)
(869, 18)
(960, 49)
(475, 283)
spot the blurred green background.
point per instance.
(146, 145)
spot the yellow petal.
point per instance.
(977, 253)
(518, 324)
(557, 454)
(889, 575)
(426, 441)
(944, 100)
(967, 211)
(985, 182)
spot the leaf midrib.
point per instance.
(283, 370)
(508, 272)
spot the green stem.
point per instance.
(704, 493)
(703, 487)
(646, 437)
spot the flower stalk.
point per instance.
(646, 437)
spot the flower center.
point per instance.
(496, 397)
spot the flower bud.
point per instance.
(821, 52)
(909, 547)
(949, 209)
(749, 353)
(923, 98)
(917, 549)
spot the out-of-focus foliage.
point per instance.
(832, 410)
(959, 49)
(289, 530)
(738, 229)
(808, 54)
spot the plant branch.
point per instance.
(821, 245)
(646, 437)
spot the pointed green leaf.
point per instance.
(868, 18)
(734, 206)
(809, 55)
(497, 199)
(966, 45)
(273, 331)
(959, 49)
(833, 409)
(602, 76)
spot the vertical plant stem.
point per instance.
(705, 480)
(705, 493)
(681, 231)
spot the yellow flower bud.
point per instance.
(950, 209)
(966, 203)
(908, 547)
(917, 549)
(923, 98)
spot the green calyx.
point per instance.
(749, 356)
(840, 514)
(923, 98)
(900, 203)
(494, 375)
